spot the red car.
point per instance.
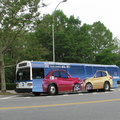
(60, 81)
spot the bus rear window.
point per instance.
(37, 73)
(23, 74)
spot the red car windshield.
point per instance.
(61, 74)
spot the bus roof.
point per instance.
(62, 63)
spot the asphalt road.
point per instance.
(82, 106)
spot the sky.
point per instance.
(89, 11)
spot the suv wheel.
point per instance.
(106, 86)
(89, 87)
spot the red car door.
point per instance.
(64, 81)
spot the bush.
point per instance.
(9, 86)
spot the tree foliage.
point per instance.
(17, 17)
(73, 42)
(100, 39)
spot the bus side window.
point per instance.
(38, 73)
(89, 70)
(112, 71)
(77, 71)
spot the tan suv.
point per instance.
(101, 80)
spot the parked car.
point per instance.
(60, 81)
(101, 80)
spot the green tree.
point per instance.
(73, 42)
(106, 57)
(66, 32)
(117, 51)
(96, 41)
(84, 47)
(34, 50)
(101, 38)
(43, 34)
(17, 17)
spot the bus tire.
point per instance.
(36, 93)
(52, 89)
(106, 86)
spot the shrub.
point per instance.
(9, 86)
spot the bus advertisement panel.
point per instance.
(30, 74)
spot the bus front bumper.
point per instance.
(18, 90)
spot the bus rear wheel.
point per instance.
(52, 89)
(36, 93)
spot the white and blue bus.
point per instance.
(29, 74)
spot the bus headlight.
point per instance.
(29, 84)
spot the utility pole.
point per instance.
(53, 31)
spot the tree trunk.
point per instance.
(2, 73)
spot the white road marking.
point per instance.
(28, 97)
(95, 93)
(49, 96)
(7, 97)
(65, 95)
(107, 92)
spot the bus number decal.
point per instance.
(22, 84)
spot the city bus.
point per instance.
(30, 74)
(118, 82)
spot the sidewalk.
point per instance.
(9, 92)
(12, 91)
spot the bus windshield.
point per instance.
(23, 74)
